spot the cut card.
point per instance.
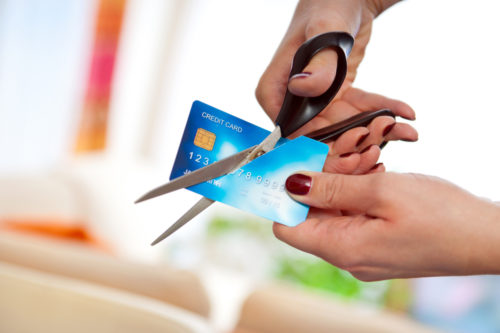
(259, 186)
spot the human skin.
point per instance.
(313, 17)
(388, 225)
(378, 225)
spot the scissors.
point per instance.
(294, 113)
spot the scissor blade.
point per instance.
(200, 206)
(265, 146)
(211, 171)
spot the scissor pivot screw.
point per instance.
(259, 153)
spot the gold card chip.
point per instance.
(204, 139)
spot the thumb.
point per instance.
(334, 191)
(316, 77)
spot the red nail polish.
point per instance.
(388, 129)
(366, 149)
(362, 139)
(345, 155)
(298, 184)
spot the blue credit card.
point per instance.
(259, 186)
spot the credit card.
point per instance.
(259, 186)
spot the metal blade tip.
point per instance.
(145, 197)
(141, 199)
(160, 238)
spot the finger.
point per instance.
(369, 101)
(313, 125)
(271, 89)
(316, 77)
(344, 164)
(293, 236)
(379, 127)
(342, 157)
(339, 110)
(335, 112)
(332, 237)
(350, 141)
(367, 165)
(311, 234)
(273, 83)
(334, 191)
(323, 66)
(368, 159)
(377, 168)
(402, 131)
(301, 237)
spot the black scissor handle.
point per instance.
(298, 110)
(332, 132)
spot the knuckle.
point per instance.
(350, 259)
(336, 165)
(330, 189)
(259, 94)
(346, 261)
(355, 265)
(363, 275)
(263, 90)
(319, 25)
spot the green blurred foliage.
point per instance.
(308, 271)
(318, 274)
(222, 225)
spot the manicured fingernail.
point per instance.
(366, 149)
(298, 184)
(300, 75)
(362, 139)
(388, 129)
(346, 154)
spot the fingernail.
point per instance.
(300, 75)
(388, 129)
(362, 139)
(298, 184)
(346, 154)
(366, 149)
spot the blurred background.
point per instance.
(94, 95)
